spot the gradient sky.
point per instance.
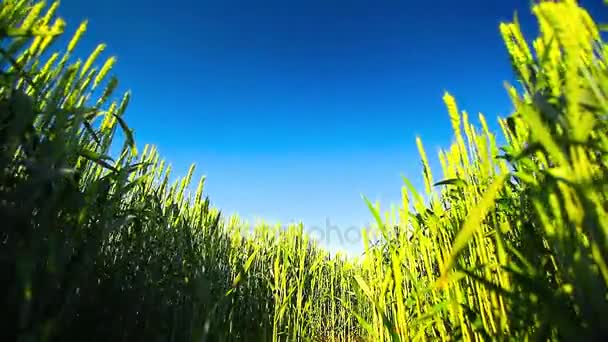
(293, 109)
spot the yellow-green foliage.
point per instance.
(510, 244)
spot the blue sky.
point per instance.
(293, 109)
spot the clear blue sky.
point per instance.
(293, 109)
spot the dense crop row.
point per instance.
(510, 242)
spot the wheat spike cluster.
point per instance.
(99, 241)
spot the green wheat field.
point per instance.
(507, 241)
